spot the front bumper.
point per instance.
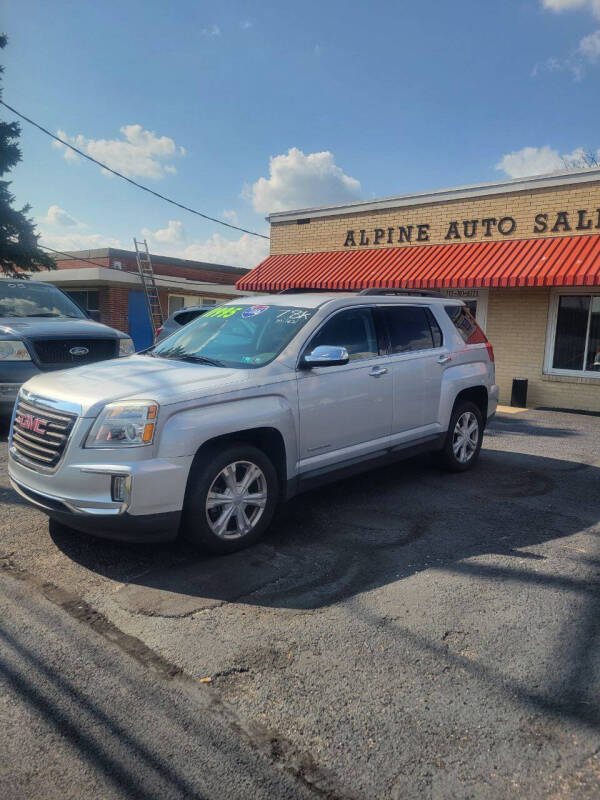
(78, 492)
(160, 527)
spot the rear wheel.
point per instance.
(464, 438)
(230, 499)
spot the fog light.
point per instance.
(119, 488)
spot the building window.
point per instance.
(574, 335)
(176, 301)
(88, 300)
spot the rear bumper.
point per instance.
(493, 395)
(162, 527)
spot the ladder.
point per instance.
(144, 263)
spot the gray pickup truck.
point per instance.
(42, 329)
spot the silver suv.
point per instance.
(248, 405)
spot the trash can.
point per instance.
(518, 396)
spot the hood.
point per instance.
(51, 327)
(135, 377)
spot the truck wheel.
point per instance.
(230, 499)
(464, 438)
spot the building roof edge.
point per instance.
(563, 178)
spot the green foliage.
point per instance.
(19, 249)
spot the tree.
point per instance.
(582, 159)
(19, 250)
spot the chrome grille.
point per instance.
(40, 434)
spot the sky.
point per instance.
(238, 109)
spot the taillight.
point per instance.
(159, 331)
(490, 350)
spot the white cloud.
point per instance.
(58, 218)
(172, 234)
(230, 216)
(212, 30)
(139, 153)
(297, 180)
(60, 230)
(537, 161)
(573, 64)
(589, 46)
(588, 50)
(247, 251)
(573, 5)
(77, 241)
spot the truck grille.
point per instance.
(71, 352)
(40, 434)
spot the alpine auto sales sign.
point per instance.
(488, 227)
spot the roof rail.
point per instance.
(415, 292)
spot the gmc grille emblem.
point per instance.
(79, 351)
(30, 423)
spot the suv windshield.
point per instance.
(25, 299)
(235, 336)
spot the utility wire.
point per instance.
(157, 275)
(129, 180)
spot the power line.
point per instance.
(179, 281)
(129, 180)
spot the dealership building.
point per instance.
(524, 255)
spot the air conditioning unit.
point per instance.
(117, 265)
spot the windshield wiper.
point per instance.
(42, 314)
(213, 362)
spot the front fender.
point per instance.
(186, 430)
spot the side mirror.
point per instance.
(325, 356)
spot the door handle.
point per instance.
(377, 371)
(444, 359)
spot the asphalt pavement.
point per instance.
(406, 633)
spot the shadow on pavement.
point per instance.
(528, 427)
(362, 533)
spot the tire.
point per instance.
(454, 456)
(230, 525)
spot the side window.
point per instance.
(409, 328)
(436, 331)
(353, 329)
(465, 324)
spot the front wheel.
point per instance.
(464, 438)
(230, 499)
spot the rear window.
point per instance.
(410, 328)
(183, 317)
(465, 324)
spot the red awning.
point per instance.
(555, 261)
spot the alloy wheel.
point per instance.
(236, 500)
(465, 437)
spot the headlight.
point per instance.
(126, 347)
(11, 350)
(127, 424)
